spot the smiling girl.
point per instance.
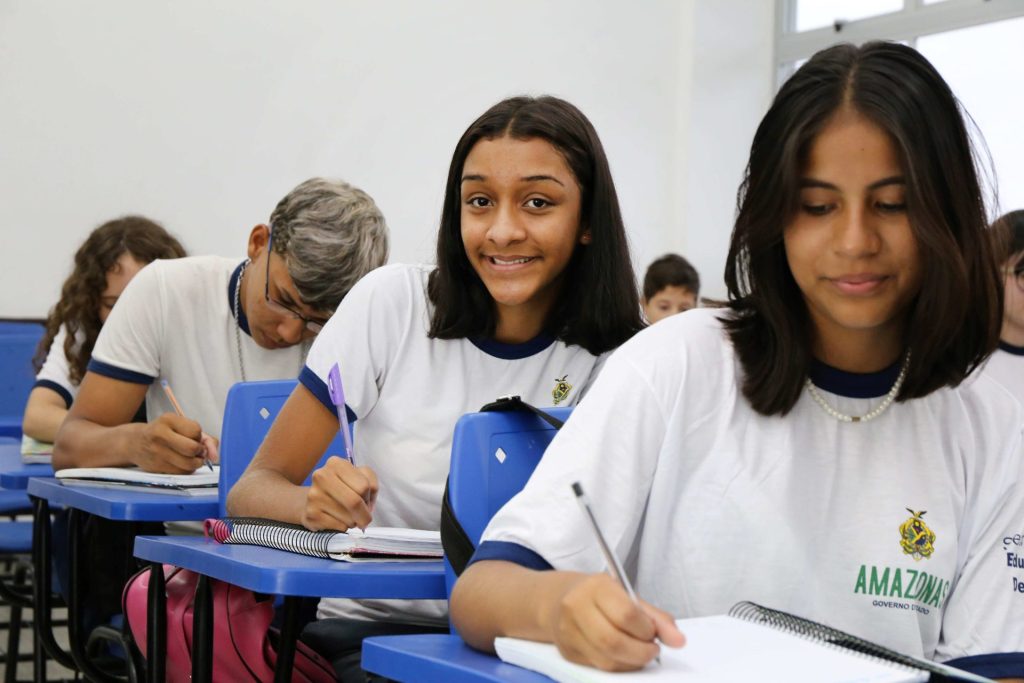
(815, 447)
(533, 284)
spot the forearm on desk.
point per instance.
(494, 598)
(81, 443)
(44, 413)
(269, 494)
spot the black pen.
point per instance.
(614, 568)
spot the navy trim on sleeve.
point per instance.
(509, 552)
(513, 351)
(318, 388)
(854, 384)
(1010, 348)
(999, 665)
(243, 320)
(53, 386)
(114, 372)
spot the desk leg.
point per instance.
(42, 592)
(202, 632)
(75, 636)
(286, 644)
(156, 629)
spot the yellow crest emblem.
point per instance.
(561, 390)
(916, 539)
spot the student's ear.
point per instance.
(585, 237)
(259, 237)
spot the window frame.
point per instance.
(915, 20)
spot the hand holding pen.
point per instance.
(602, 621)
(342, 494)
(205, 439)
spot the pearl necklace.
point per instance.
(238, 324)
(875, 412)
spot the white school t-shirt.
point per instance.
(906, 530)
(1006, 366)
(55, 374)
(407, 391)
(175, 321)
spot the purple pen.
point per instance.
(338, 399)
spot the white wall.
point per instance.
(202, 115)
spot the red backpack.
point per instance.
(243, 642)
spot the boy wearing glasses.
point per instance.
(1007, 364)
(204, 323)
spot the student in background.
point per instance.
(104, 265)
(206, 322)
(671, 286)
(1007, 364)
(533, 285)
(813, 447)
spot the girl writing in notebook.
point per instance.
(533, 285)
(820, 445)
(104, 265)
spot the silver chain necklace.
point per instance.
(874, 412)
(238, 324)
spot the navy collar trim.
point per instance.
(243, 321)
(513, 351)
(1010, 348)
(854, 384)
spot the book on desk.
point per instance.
(374, 544)
(202, 482)
(750, 643)
(35, 452)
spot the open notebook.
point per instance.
(751, 643)
(375, 544)
(202, 482)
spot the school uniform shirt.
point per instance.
(407, 391)
(1006, 366)
(175, 321)
(907, 530)
(55, 374)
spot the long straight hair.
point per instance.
(598, 307)
(952, 325)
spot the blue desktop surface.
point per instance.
(266, 570)
(14, 474)
(439, 657)
(124, 505)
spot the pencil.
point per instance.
(180, 412)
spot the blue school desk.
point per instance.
(265, 570)
(14, 474)
(114, 504)
(439, 657)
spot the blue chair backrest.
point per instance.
(250, 409)
(18, 343)
(493, 455)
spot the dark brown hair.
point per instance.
(598, 308)
(953, 323)
(671, 270)
(79, 306)
(1008, 231)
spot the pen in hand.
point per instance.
(614, 567)
(180, 413)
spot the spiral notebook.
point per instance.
(202, 482)
(750, 643)
(375, 544)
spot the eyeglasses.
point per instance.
(1017, 273)
(314, 325)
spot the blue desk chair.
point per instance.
(249, 411)
(493, 455)
(18, 343)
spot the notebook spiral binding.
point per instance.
(828, 636)
(271, 534)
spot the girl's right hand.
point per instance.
(341, 496)
(597, 624)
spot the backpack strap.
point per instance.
(458, 548)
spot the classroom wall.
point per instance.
(202, 115)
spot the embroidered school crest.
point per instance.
(561, 390)
(916, 538)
